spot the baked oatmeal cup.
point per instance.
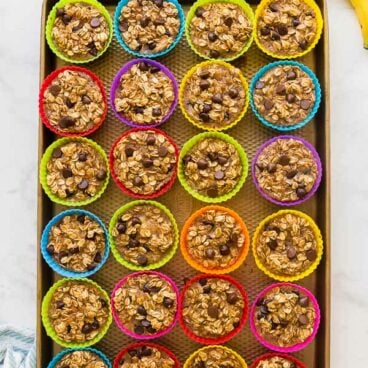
(285, 95)
(74, 171)
(77, 358)
(286, 29)
(145, 304)
(144, 93)
(76, 313)
(146, 355)
(215, 240)
(220, 29)
(213, 308)
(212, 167)
(149, 28)
(277, 360)
(72, 102)
(79, 31)
(215, 356)
(214, 95)
(144, 235)
(287, 245)
(287, 170)
(75, 243)
(143, 162)
(285, 317)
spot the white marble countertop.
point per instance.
(19, 61)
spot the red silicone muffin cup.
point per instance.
(127, 191)
(297, 362)
(149, 344)
(46, 83)
(115, 314)
(222, 339)
(292, 348)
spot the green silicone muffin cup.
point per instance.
(247, 10)
(51, 20)
(117, 254)
(47, 324)
(243, 158)
(43, 171)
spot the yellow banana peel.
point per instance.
(361, 10)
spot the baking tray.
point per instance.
(248, 203)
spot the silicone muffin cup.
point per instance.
(319, 19)
(319, 247)
(116, 82)
(46, 84)
(196, 265)
(59, 356)
(311, 114)
(243, 158)
(43, 171)
(297, 362)
(182, 90)
(222, 339)
(225, 348)
(126, 48)
(316, 184)
(51, 20)
(50, 330)
(247, 10)
(55, 265)
(292, 348)
(122, 187)
(166, 258)
(116, 316)
(148, 344)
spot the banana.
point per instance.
(361, 9)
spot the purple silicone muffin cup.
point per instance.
(131, 333)
(292, 348)
(316, 184)
(115, 86)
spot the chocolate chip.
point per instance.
(199, 12)
(123, 26)
(143, 66)
(145, 323)
(154, 69)
(68, 329)
(260, 85)
(151, 140)
(206, 108)
(228, 21)
(121, 227)
(95, 325)
(224, 250)
(265, 31)
(273, 7)
(82, 156)
(156, 111)
(222, 160)
(142, 260)
(95, 22)
(204, 117)
(296, 22)
(145, 351)
(271, 168)
(147, 162)
(275, 36)
(151, 45)
(311, 254)
(282, 30)
(303, 319)
(204, 84)
(206, 289)
(54, 89)
(139, 109)
(87, 328)
(139, 330)
(212, 37)
(214, 54)
(93, 51)
(86, 100)
(162, 151)
(67, 173)
(290, 98)
(232, 298)
(272, 244)
(268, 104)
(204, 74)
(159, 22)
(264, 310)
(187, 159)
(202, 281)
(303, 44)
(101, 175)
(280, 89)
(212, 192)
(219, 175)
(66, 122)
(168, 302)
(133, 243)
(303, 301)
(233, 93)
(213, 311)
(290, 174)
(291, 252)
(305, 104)
(159, 3)
(83, 184)
(66, 18)
(141, 310)
(210, 253)
(60, 304)
(74, 250)
(217, 98)
(50, 249)
(145, 21)
(60, 12)
(138, 181)
(129, 150)
(291, 75)
(202, 164)
(301, 192)
(77, 27)
(57, 153)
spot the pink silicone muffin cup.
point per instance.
(127, 191)
(115, 86)
(47, 82)
(316, 184)
(292, 348)
(297, 362)
(131, 333)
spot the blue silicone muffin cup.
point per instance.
(53, 264)
(120, 6)
(316, 105)
(59, 356)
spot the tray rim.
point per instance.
(325, 359)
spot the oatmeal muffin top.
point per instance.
(81, 359)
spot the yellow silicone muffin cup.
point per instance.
(319, 247)
(51, 20)
(117, 254)
(319, 20)
(247, 10)
(47, 324)
(182, 90)
(43, 171)
(231, 351)
(198, 266)
(243, 159)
